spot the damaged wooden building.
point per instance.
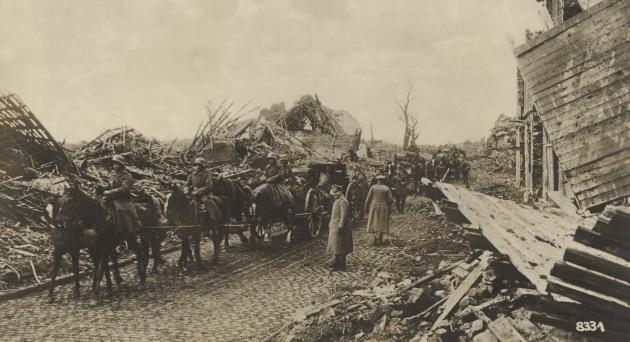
(573, 136)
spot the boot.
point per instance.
(333, 265)
(342, 262)
(380, 239)
(375, 241)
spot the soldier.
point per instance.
(340, 234)
(378, 206)
(285, 168)
(200, 184)
(123, 211)
(400, 182)
(465, 172)
(274, 174)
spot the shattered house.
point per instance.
(573, 101)
(326, 132)
(503, 134)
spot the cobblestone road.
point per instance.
(249, 295)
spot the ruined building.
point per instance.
(573, 104)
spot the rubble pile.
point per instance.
(493, 174)
(149, 158)
(478, 298)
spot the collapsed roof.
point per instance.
(308, 113)
(25, 142)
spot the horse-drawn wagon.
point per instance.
(309, 211)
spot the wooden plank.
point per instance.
(503, 329)
(533, 240)
(568, 90)
(595, 240)
(595, 281)
(606, 125)
(615, 100)
(579, 60)
(461, 290)
(590, 298)
(608, 195)
(609, 229)
(598, 263)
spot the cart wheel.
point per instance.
(259, 230)
(313, 205)
(315, 224)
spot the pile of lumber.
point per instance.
(24, 201)
(26, 143)
(141, 152)
(220, 125)
(595, 270)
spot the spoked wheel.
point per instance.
(313, 206)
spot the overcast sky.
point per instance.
(85, 66)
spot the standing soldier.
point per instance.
(400, 182)
(465, 172)
(340, 233)
(352, 196)
(378, 204)
(123, 211)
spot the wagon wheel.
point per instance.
(313, 206)
(258, 230)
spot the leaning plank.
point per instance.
(597, 262)
(461, 291)
(590, 298)
(598, 241)
(533, 240)
(591, 280)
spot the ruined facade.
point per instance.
(537, 166)
(573, 105)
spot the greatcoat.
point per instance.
(202, 182)
(340, 233)
(124, 213)
(378, 203)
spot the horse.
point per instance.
(239, 198)
(269, 208)
(82, 222)
(149, 211)
(225, 202)
(179, 212)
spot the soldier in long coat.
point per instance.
(340, 232)
(200, 184)
(378, 206)
(122, 209)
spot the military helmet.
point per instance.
(199, 161)
(119, 159)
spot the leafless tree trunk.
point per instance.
(411, 122)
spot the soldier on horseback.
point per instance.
(122, 210)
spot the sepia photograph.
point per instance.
(315, 170)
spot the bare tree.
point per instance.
(411, 122)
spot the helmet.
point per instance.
(271, 155)
(119, 159)
(199, 161)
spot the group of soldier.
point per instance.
(387, 190)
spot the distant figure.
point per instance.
(340, 233)
(400, 184)
(378, 206)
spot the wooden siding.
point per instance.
(578, 74)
